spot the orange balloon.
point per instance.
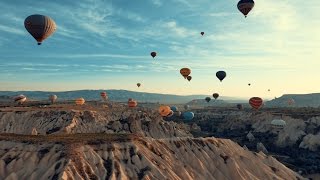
(185, 72)
(164, 110)
(80, 101)
(132, 103)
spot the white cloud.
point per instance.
(157, 2)
(13, 30)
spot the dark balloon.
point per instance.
(189, 78)
(202, 33)
(153, 54)
(215, 95)
(40, 27)
(208, 99)
(249, 84)
(245, 6)
(221, 75)
(174, 108)
(255, 102)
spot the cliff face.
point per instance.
(57, 121)
(134, 158)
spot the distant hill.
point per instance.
(114, 95)
(301, 100)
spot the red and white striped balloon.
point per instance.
(256, 102)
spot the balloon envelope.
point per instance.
(132, 103)
(104, 96)
(20, 99)
(245, 6)
(255, 102)
(53, 98)
(40, 26)
(153, 54)
(202, 33)
(189, 78)
(174, 108)
(221, 75)
(215, 95)
(208, 99)
(185, 72)
(188, 115)
(164, 110)
(138, 84)
(80, 101)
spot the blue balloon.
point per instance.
(188, 115)
(174, 108)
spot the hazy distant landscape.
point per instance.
(301, 100)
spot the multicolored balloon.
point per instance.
(20, 99)
(104, 96)
(53, 98)
(256, 102)
(80, 101)
(132, 103)
(40, 27)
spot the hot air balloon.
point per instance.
(40, 27)
(80, 101)
(221, 75)
(188, 115)
(249, 84)
(174, 108)
(153, 54)
(186, 107)
(245, 6)
(268, 89)
(189, 78)
(138, 84)
(278, 123)
(164, 110)
(20, 99)
(130, 99)
(185, 72)
(53, 98)
(132, 103)
(202, 33)
(255, 102)
(208, 99)
(239, 106)
(104, 96)
(215, 95)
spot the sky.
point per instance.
(106, 44)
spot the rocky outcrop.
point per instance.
(146, 123)
(137, 158)
(262, 148)
(311, 142)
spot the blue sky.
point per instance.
(106, 44)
